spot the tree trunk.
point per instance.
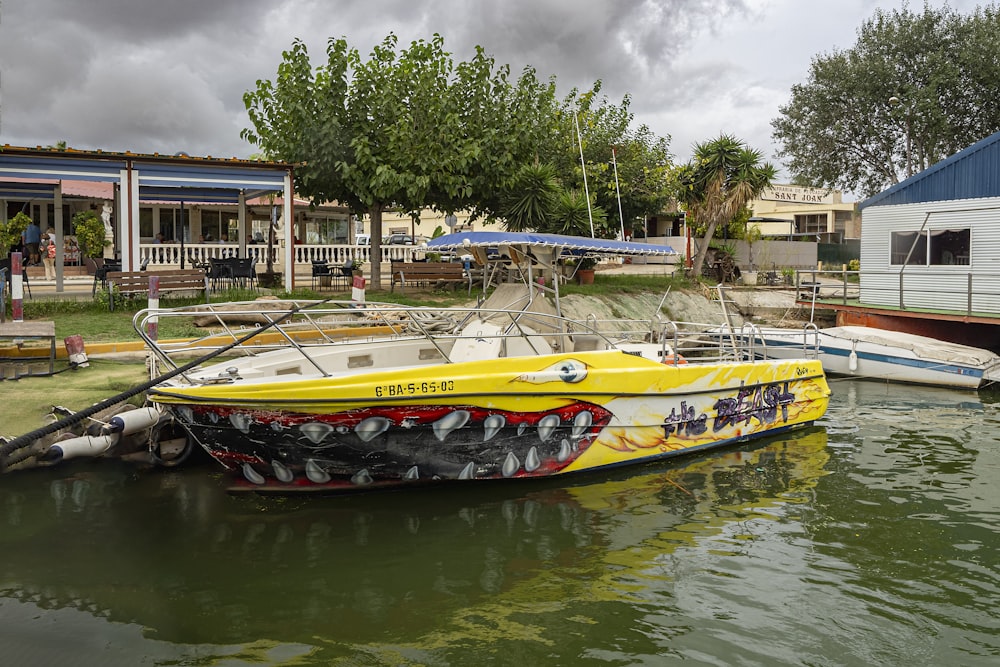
(375, 213)
(699, 259)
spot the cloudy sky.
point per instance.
(169, 75)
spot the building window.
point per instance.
(167, 224)
(326, 230)
(811, 224)
(216, 223)
(145, 223)
(949, 246)
(843, 222)
(935, 247)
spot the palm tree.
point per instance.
(531, 197)
(572, 215)
(724, 175)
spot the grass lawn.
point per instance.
(26, 401)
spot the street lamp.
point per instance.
(896, 102)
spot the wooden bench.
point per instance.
(132, 283)
(416, 273)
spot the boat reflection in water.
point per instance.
(433, 575)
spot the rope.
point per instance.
(423, 321)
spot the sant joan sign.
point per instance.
(797, 194)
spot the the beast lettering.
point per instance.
(761, 403)
(686, 420)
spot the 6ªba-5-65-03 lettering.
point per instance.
(414, 388)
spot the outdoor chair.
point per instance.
(220, 274)
(243, 272)
(321, 275)
(345, 274)
(101, 275)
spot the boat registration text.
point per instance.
(414, 388)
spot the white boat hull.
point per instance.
(893, 356)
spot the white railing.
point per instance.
(168, 255)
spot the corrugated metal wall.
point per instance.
(933, 287)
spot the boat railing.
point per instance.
(753, 339)
(709, 342)
(303, 326)
(810, 340)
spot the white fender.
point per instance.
(852, 359)
(133, 421)
(85, 445)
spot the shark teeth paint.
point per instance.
(371, 428)
(511, 465)
(581, 423)
(240, 421)
(492, 426)
(449, 423)
(316, 432)
(315, 474)
(547, 425)
(282, 472)
(375, 446)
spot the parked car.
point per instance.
(363, 240)
(398, 239)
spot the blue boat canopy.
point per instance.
(567, 244)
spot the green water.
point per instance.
(869, 540)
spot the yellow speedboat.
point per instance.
(500, 395)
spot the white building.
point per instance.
(933, 241)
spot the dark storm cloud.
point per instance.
(137, 21)
(629, 45)
(169, 75)
(122, 74)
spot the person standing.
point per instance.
(32, 237)
(48, 250)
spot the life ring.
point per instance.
(674, 359)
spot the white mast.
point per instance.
(621, 218)
(586, 191)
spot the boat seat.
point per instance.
(478, 341)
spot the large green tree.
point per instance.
(411, 129)
(915, 88)
(723, 176)
(405, 129)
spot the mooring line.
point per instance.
(8, 449)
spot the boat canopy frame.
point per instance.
(540, 253)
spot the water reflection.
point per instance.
(865, 540)
(915, 520)
(453, 563)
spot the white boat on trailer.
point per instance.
(881, 354)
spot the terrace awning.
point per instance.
(567, 244)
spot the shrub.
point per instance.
(90, 234)
(10, 232)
